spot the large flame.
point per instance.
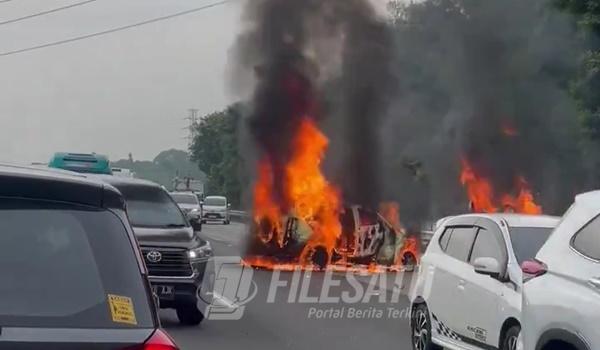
(482, 198)
(524, 201)
(307, 192)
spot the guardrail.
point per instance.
(238, 215)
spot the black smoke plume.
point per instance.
(402, 101)
(329, 60)
(488, 81)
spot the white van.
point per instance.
(216, 208)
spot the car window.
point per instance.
(61, 267)
(460, 243)
(367, 218)
(347, 221)
(184, 198)
(215, 201)
(148, 206)
(488, 245)
(445, 238)
(527, 241)
(587, 240)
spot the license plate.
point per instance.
(165, 292)
(213, 215)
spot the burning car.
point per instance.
(366, 238)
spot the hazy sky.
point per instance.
(123, 92)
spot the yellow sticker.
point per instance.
(121, 309)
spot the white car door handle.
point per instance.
(595, 282)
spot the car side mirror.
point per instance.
(487, 266)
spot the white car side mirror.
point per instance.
(487, 266)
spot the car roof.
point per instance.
(590, 200)
(222, 197)
(516, 220)
(182, 192)
(118, 181)
(35, 182)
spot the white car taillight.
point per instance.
(159, 340)
(532, 269)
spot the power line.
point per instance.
(113, 30)
(45, 12)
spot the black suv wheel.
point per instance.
(421, 329)
(189, 315)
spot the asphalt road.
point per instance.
(279, 324)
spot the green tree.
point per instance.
(586, 86)
(215, 150)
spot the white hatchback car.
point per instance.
(561, 293)
(468, 290)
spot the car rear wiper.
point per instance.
(174, 225)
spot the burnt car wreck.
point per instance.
(366, 238)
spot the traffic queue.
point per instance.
(114, 250)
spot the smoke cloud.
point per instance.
(484, 80)
(404, 99)
(331, 61)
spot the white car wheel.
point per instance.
(421, 329)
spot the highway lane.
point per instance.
(294, 325)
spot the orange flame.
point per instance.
(479, 190)
(481, 194)
(309, 194)
(265, 208)
(391, 212)
(524, 202)
(411, 245)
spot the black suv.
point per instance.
(73, 276)
(179, 262)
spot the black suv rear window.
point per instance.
(59, 263)
(149, 206)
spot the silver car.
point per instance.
(191, 206)
(216, 208)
